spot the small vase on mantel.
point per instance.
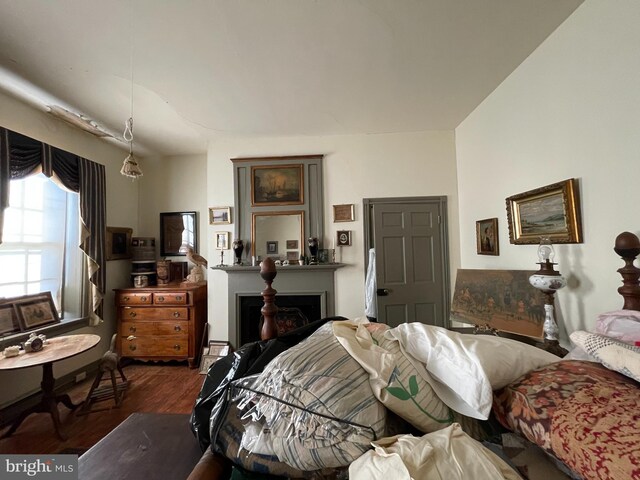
(312, 242)
(238, 247)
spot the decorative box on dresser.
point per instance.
(162, 323)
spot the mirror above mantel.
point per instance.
(278, 199)
(278, 234)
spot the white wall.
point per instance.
(122, 211)
(570, 110)
(174, 184)
(355, 167)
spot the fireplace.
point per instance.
(308, 287)
(309, 305)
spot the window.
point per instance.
(40, 249)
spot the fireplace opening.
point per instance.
(250, 306)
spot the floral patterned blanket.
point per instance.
(582, 413)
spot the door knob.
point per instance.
(382, 292)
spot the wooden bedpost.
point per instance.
(628, 247)
(269, 309)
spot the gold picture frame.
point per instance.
(344, 213)
(277, 185)
(219, 215)
(118, 243)
(222, 240)
(487, 237)
(551, 211)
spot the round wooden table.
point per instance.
(56, 349)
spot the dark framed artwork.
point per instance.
(277, 185)
(118, 243)
(343, 238)
(344, 213)
(292, 244)
(178, 232)
(501, 299)
(272, 247)
(487, 236)
(551, 211)
(36, 310)
(9, 322)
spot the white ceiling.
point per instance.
(209, 68)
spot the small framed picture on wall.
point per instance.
(487, 236)
(343, 238)
(222, 240)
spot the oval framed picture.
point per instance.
(343, 238)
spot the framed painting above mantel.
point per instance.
(277, 185)
(277, 188)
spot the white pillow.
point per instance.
(613, 354)
(466, 368)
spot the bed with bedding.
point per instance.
(342, 398)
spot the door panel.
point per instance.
(410, 265)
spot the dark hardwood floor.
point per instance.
(159, 388)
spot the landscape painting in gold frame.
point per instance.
(552, 211)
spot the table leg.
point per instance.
(48, 403)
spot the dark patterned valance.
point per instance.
(21, 156)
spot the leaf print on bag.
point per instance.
(401, 393)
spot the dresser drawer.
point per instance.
(155, 346)
(152, 313)
(142, 298)
(177, 328)
(170, 298)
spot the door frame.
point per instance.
(441, 202)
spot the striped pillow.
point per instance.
(395, 380)
(323, 412)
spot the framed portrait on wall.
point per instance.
(487, 236)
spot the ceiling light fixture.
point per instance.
(130, 167)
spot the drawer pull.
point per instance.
(176, 314)
(132, 329)
(179, 298)
(176, 347)
(177, 328)
(144, 299)
(131, 337)
(132, 314)
(160, 299)
(132, 347)
(125, 299)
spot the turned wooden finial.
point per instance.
(628, 247)
(269, 309)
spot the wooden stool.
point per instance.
(109, 363)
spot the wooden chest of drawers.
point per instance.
(162, 323)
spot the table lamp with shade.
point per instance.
(548, 281)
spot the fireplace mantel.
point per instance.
(291, 280)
